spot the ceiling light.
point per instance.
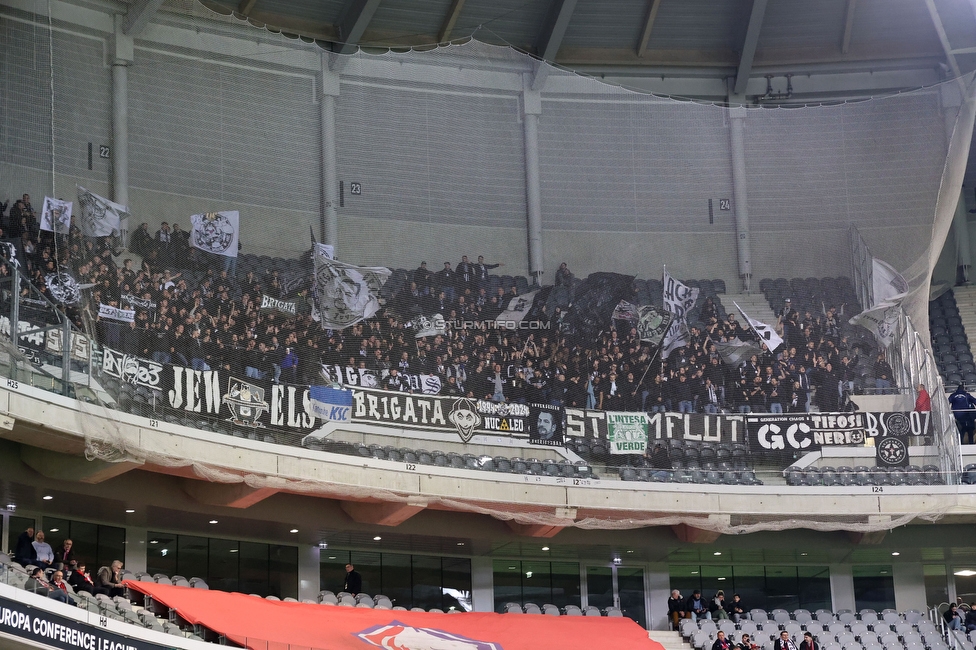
(804, 554)
(721, 578)
(883, 572)
(154, 541)
(630, 551)
(293, 530)
(460, 543)
(53, 530)
(545, 548)
(965, 573)
(129, 511)
(617, 560)
(48, 497)
(163, 552)
(377, 538)
(233, 550)
(895, 553)
(528, 574)
(332, 557)
(512, 568)
(213, 521)
(717, 553)
(694, 573)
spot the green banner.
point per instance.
(627, 433)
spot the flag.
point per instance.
(114, 313)
(345, 294)
(881, 320)
(652, 324)
(216, 232)
(330, 404)
(428, 326)
(888, 284)
(679, 299)
(324, 249)
(99, 216)
(625, 311)
(765, 333)
(518, 308)
(56, 216)
(593, 303)
(735, 351)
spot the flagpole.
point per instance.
(650, 363)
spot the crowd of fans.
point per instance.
(51, 569)
(191, 309)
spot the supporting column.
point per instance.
(135, 549)
(308, 572)
(737, 117)
(482, 584)
(5, 531)
(532, 108)
(909, 582)
(122, 57)
(329, 83)
(960, 227)
(842, 586)
(658, 592)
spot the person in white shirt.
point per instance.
(45, 554)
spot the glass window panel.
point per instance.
(85, 538)
(630, 588)
(396, 583)
(160, 554)
(565, 584)
(750, 583)
(507, 580)
(55, 532)
(686, 578)
(599, 586)
(456, 581)
(936, 584)
(224, 565)
(111, 544)
(536, 584)
(369, 565)
(965, 585)
(714, 578)
(255, 568)
(782, 588)
(814, 584)
(283, 574)
(191, 556)
(332, 570)
(426, 576)
(873, 587)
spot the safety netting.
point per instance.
(257, 238)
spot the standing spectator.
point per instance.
(65, 555)
(43, 551)
(24, 552)
(465, 275)
(923, 403)
(422, 277)
(660, 462)
(445, 280)
(963, 405)
(140, 242)
(354, 581)
(883, 375)
(563, 276)
(289, 366)
(481, 272)
(164, 243)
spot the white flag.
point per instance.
(345, 294)
(325, 249)
(765, 333)
(56, 216)
(99, 216)
(881, 320)
(889, 285)
(428, 326)
(679, 299)
(115, 313)
(518, 308)
(216, 232)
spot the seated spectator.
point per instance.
(676, 608)
(38, 585)
(43, 551)
(697, 607)
(80, 580)
(721, 643)
(746, 643)
(717, 608)
(736, 609)
(953, 617)
(57, 581)
(65, 555)
(24, 552)
(108, 581)
(808, 642)
(784, 642)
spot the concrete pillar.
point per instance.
(482, 584)
(532, 108)
(658, 591)
(308, 571)
(737, 118)
(122, 57)
(842, 587)
(135, 549)
(329, 84)
(5, 531)
(960, 227)
(909, 582)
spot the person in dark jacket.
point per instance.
(721, 643)
(963, 405)
(24, 551)
(697, 606)
(354, 581)
(676, 608)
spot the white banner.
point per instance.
(765, 333)
(881, 320)
(889, 285)
(99, 216)
(518, 308)
(325, 249)
(114, 313)
(428, 326)
(216, 232)
(345, 294)
(679, 299)
(56, 216)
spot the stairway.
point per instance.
(966, 301)
(754, 304)
(670, 640)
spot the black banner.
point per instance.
(698, 427)
(545, 425)
(53, 631)
(891, 451)
(804, 431)
(898, 423)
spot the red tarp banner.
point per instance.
(262, 624)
